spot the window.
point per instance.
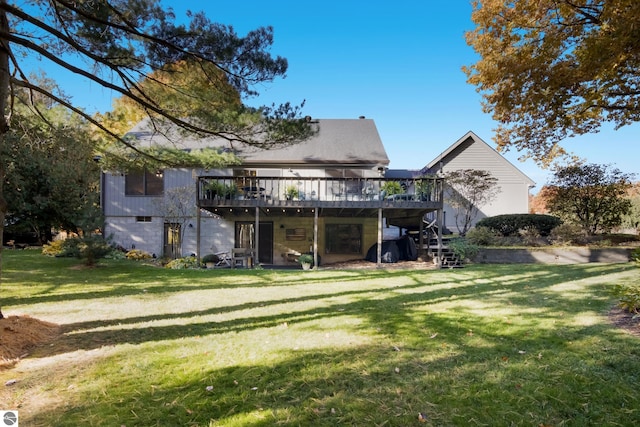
(343, 238)
(143, 219)
(143, 184)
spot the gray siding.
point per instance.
(473, 153)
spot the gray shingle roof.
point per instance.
(340, 142)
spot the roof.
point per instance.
(471, 138)
(340, 142)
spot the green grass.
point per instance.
(487, 345)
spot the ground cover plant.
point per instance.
(483, 345)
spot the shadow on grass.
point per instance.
(439, 345)
(383, 306)
(455, 381)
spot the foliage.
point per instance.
(209, 258)
(468, 190)
(482, 236)
(137, 255)
(189, 262)
(305, 259)
(390, 188)
(567, 234)
(424, 187)
(291, 192)
(590, 195)
(89, 248)
(52, 180)
(629, 297)
(635, 255)
(176, 208)
(631, 220)
(530, 236)
(126, 42)
(463, 248)
(550, 69)
(511, 224)
(53, 248)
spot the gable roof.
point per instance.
(484, 156)
(338, 142)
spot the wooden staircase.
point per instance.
(448, 259)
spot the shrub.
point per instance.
(138, 254)
(183, 263)
(530, 236)
(88, 248)
(210, 258)
(392, 187)
(635, 255)
(510, 225)
(629, 296)
(305, 259)
(463, 249)
(567, 234)
(54, 248)
(482, 236)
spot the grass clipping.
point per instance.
(20, 334)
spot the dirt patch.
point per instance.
(21, 334)
(625, 320)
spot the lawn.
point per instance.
(486, 345)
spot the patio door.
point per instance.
(245, 238)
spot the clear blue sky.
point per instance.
(397, 62)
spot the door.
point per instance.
(245, 238)
(172, 241)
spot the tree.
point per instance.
(552, 69)
(467, 190)
(52, 179)
(177, 208)
(116, 44)
(590, 195)
(632, 218)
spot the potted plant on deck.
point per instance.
(306, 261)
(291, 192)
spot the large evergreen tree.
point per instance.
(116, 44)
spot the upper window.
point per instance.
(143, 184)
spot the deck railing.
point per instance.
(423, 192)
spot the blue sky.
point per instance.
(398, 63)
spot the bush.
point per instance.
(567, 234)
(210, 258)
(530, 236)
(183, 263)
(629, 296)
(88, 248)
(137, 254)
(463, 249)
(54, 248)
(635, 255)
(510, 225)
(482, 236)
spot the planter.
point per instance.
(306, 265)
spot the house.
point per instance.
(327, 196)
(471, 152)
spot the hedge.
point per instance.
(511, 224)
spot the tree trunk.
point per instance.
(4, 124)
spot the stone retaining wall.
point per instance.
(574, 255)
